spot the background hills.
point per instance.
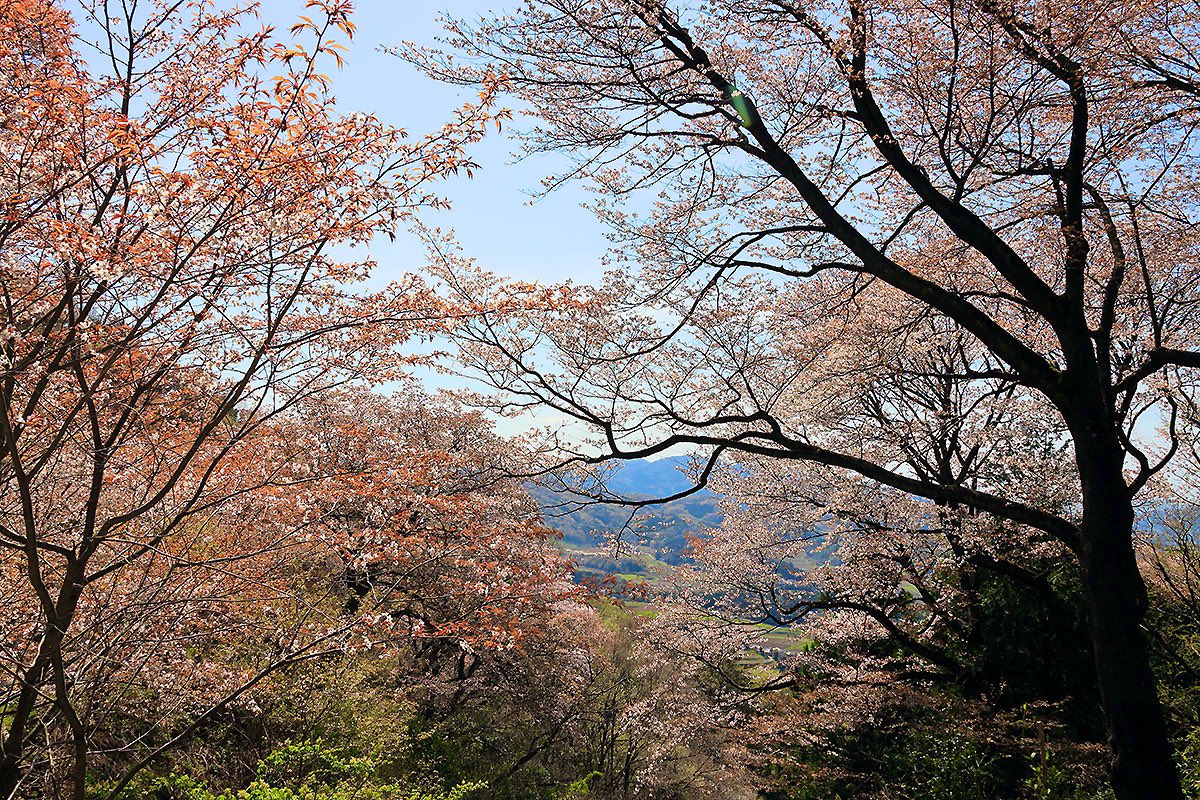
(610, 540)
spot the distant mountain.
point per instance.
(605, 545)
(660, 478)
(662, 529)
(656, 537)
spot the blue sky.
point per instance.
(550, 240)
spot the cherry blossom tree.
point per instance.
(586, 700)
(379, 532)
(873, 601)
(414, 499)
(821, 183)
(917, 572)
(180, 202)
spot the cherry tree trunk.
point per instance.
(13, 740)
(1143, 766)
(10, 777)
(33, 687)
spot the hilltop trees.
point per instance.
(833, 187)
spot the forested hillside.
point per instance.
(863, 465)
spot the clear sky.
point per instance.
(551, 240)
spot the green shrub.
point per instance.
(950, 766)
(309, 771)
